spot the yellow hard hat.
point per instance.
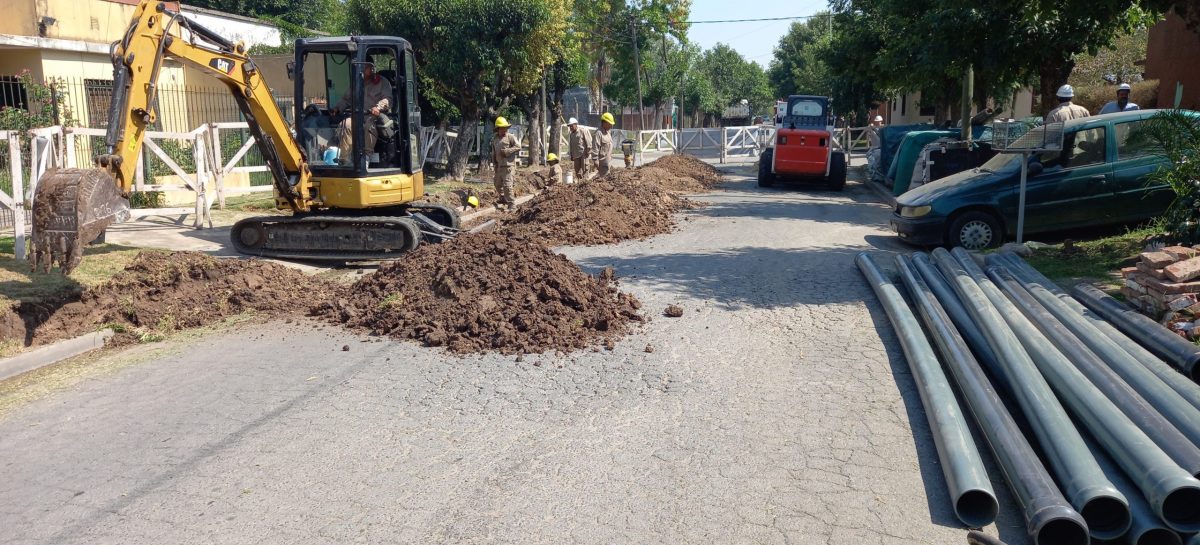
(501, 122)
(551, 157)
(473, 201)
(608, 118)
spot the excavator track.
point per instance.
(340, 237)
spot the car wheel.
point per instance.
(766, 178)
(837, 171)
(975, 230)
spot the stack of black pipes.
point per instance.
(1089, 409)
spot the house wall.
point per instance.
(906, 110)
(99, 21)
(1172, 57)
(20, 18)
(13, 61)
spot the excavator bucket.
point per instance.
(72, 207)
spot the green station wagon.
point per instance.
(1099, 178)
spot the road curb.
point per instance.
(54, 353)
(882, 192)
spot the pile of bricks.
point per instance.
(1165, 284)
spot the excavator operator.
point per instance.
(377, 91)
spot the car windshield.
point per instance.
(806, 108)
(1002, 162)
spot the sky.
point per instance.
(755, 41)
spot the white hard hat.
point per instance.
(878, 118)
(1066, 91)
(572, 121)
(1124, 87)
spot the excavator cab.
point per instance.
(342, 81)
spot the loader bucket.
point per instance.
(72, 207)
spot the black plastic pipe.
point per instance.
(1170, 376)
(958, 315)
(1166, 399)
(1083, 482)
(1133, 405)
(1174, 493)
(1049, 519)
(966, 478)
(1146, 528)
(1171, 347)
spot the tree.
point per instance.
(1119, 61)
(476, 55)
(720, 78)
(799, 65)
(610, 27)
(928, 45)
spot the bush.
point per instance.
(147, 199)
(1094, 97)
(1176, 135)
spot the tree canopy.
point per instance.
(800, 63)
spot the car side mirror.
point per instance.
(1035, 168)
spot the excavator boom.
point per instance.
(73, 206)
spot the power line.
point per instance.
(754, 20)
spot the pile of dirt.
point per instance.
(662, 178)
(160, 292)
(487, 292)
(690, 167)
(603, 210)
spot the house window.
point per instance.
(903, 105)
(12, 93)
(99, 97)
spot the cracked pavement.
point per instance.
(777, 410)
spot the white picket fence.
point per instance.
(60, 147)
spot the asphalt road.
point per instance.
(779, 409)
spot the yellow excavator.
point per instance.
(349, 170)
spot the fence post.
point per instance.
(218, 162)
(18, 189)
(724, 143)
(199, 155)
(69, 148)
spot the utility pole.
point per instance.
(637, 63)
(967, 98)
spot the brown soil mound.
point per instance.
(617, 207)
(160, 292)
(662, 178)
(690, 167)
(487, 291)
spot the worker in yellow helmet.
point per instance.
(505, 149)
(602, 148)
(554, 175)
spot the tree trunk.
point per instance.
(1052, 74)
(461, 151)
(533, 130)
(556, 111)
